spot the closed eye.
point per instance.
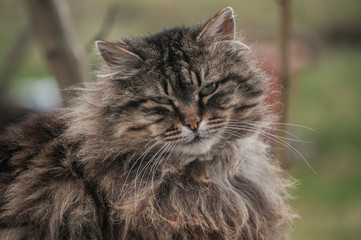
(162, 100)
(208, 89)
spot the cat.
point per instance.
(165, 143)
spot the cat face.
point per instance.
(184, 87)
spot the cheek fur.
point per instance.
(143, 121)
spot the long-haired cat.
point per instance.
(166, 143)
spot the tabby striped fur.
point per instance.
(123, 163)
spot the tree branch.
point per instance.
(65, 56)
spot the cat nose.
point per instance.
(190, 117)
(193, 123)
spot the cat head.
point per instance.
(184, 88)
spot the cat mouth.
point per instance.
(195, 140)
(196, 146)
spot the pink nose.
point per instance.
(193, 124)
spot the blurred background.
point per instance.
(325, 91)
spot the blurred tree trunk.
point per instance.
(52, 24)
(284, 78)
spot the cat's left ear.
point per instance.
(115, 55)
(221, 27)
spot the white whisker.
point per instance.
(278, 140)
(166, 157)
(295, 139)
(278, 123)
(144, 169)
(142, 156)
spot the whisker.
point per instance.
(271, 128)
(214, 118)
(144, 169)
(289, 133)
(280, 141)
(150, 142)
(216, 127)
(142, 156)
(296, 139)
(157, 160)
(169, 150)
(155, 166)
(278, 123)
(172, 133)
(173, 139)
(215, 122)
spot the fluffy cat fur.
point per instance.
(166, 143)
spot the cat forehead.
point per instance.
(177, 57)
(173, 54)
(172, 46)
(172, 36)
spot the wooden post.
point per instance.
(65, 56)
(284, 78)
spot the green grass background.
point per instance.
(327, 99)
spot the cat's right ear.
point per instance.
(116, 56)
(221, 27)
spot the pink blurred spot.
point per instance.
(267, 53)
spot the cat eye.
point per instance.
(161, 100)
(208, 89)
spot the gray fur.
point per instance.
(118, 164)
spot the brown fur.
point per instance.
(122, 164)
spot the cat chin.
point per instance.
(197, 148)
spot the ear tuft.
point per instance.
(115, 55)
(221, 27)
